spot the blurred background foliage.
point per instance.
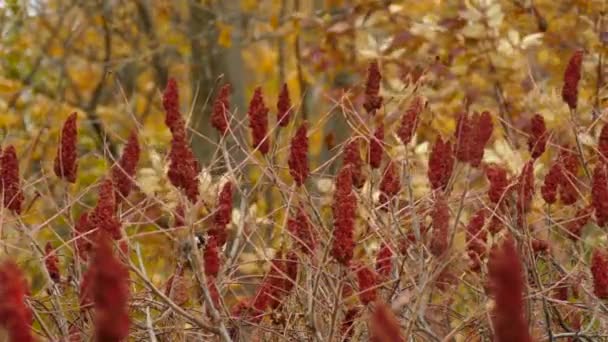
(109, 61)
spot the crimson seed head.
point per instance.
(346, 327)
(464, 137)
(409, 120)
(103, 216)
(384, 326)
(15, 316)
(291, 270)
(221, 106)
(539, 246)
(599, 194)
(283, 106)
(367, 281)
(384, 263)
(441, 223)
(303, 231)
(472, 134)
(110, 289)
(482, 131)
(352, 157)
(10, 185)
(211, 258)
(66, 164)
(376, 149)
(476, 235)
(274, 288)
(390, 183)
(173, 118)
(258, 121)
(578, 222)
(223, 214)
(537, 140)
(441, 164)
(505, 273)
(499, 183)
(82, 242)
(344, 212)
(599, 270)
(552, 180)
(525, 188)
(572, 76)
(298, 156)
(602, 145)
(373, 101)
(124, 171)
(183, 167)
(570, 164)
(51, 262)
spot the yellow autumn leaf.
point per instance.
(225, 34)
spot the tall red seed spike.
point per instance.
(602, 145)
(223, 214)
(499, 183)
(384, 326)
(384, 262)
(482, 131)
(552, 180)
(173, 118)
(525, 188)
(258, 122)
(283, 106)
(344, 211)
(599, 270)
(441, 225)
(539, 246)
(10, 184)
(599, 194)
(464, 135)
(409, 120)
(15, 316)
(82, 240)
(221, 107)
(537, 140)
(103, 216)
(51, 262)
(291, 270)
(346, 327)
(476, 235)
(570, 165)
(376, 148)
(303, 231)
(572, 76)
(367, 281)
(123, 172)
(575, 226)
(273, 289)
(85, 291)
(66, 162)
(373, 101)
(505, 272)
(298, 156)
(110, 289)
(214, 292)
(390, 184)
(352, 157)
(441, 164)
(211, 258)
(183, 167)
